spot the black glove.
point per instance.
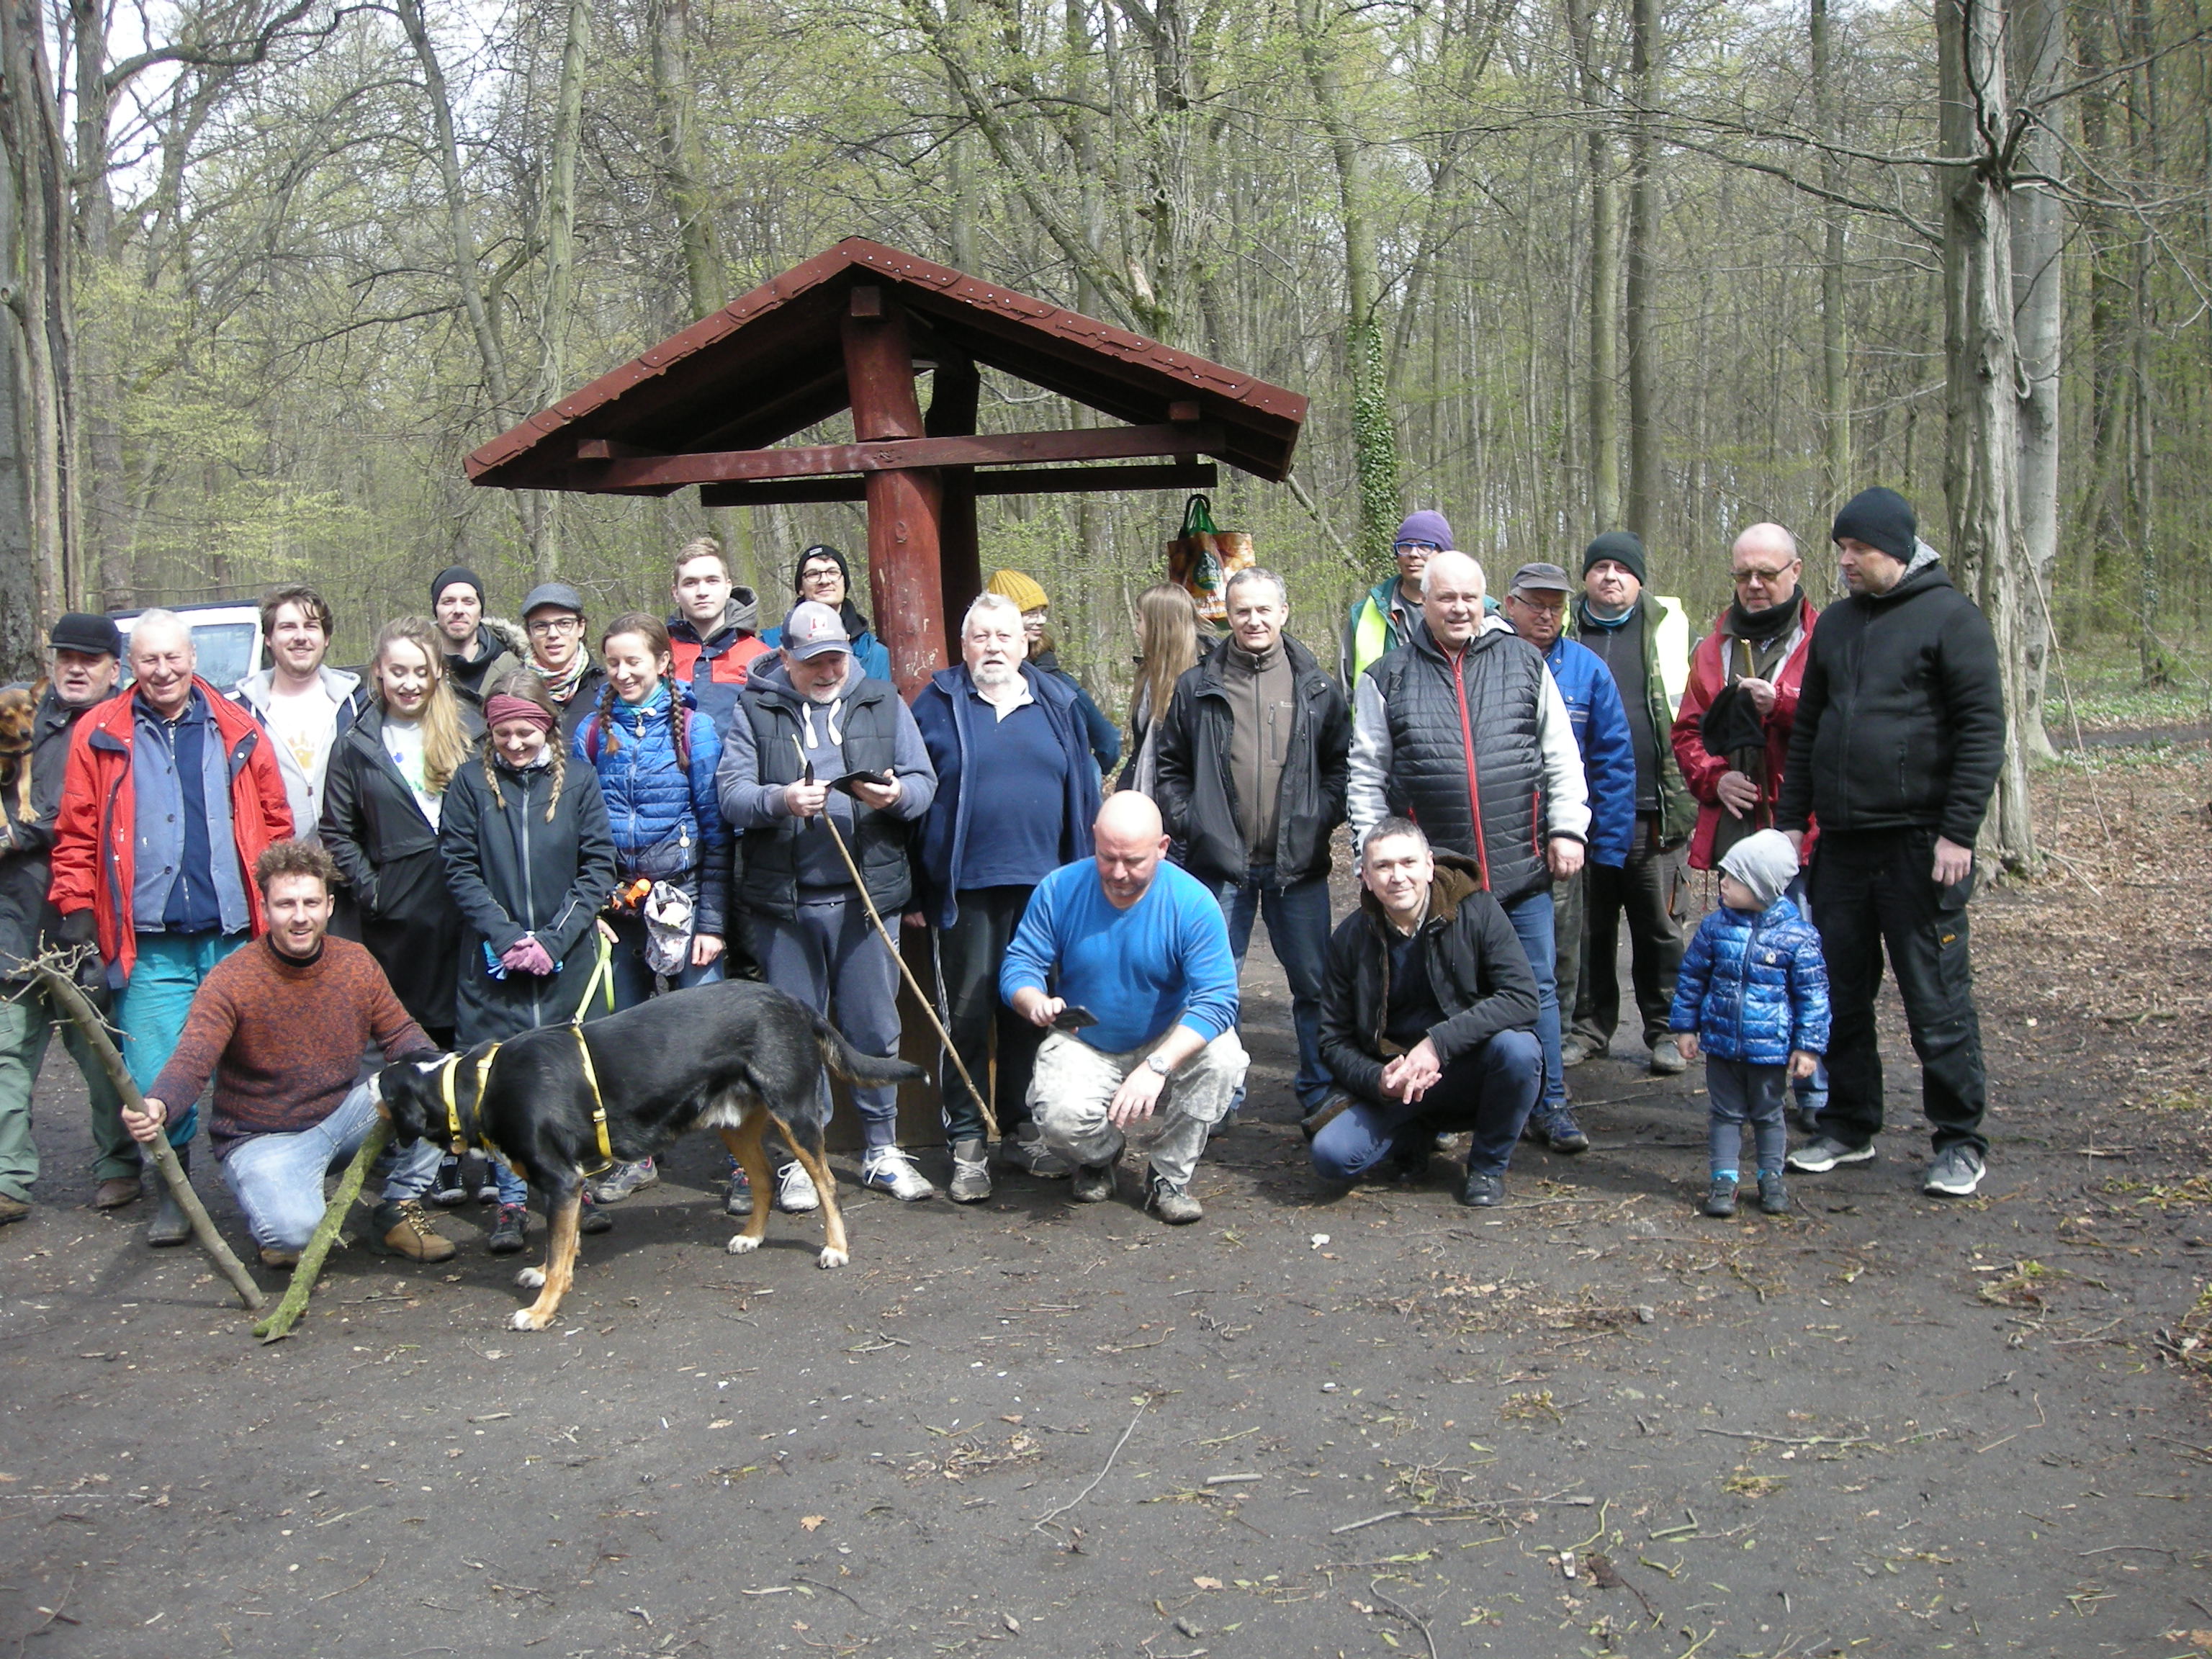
(78, 932)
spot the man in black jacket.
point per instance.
(1900, 732)
(1252, 759)
(88, 651)
(1428, 1020)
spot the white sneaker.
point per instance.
(1025, 1150)
(889, 1170)
(794, 1189)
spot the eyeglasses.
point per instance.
(1745, 578)
(1416, 547)
(556, 625)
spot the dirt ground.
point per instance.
(1595, 1423)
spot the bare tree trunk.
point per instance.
(560, 294)
(2143, 127)
(674, 103)
(1982, 454)
(1645, 483)
(1604, 419)
(1835, 342)
(2038, 61)
(1374, 427)
(484, 321)
(21, 610)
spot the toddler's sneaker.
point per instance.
(1773, 1194)
(1720, 1197)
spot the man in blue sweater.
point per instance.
(1536, 606)
(1138, 949)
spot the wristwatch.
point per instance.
(1160, 1067)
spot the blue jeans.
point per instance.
(151, 1007)
(1532, 925)
(278, 1179)
(1297, 926)
(1489, 1090)
(1737, 1092)
(634, 980)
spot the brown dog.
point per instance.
(19, 711)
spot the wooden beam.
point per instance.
(905, 505)
(1018, 480)
(954, 400)
(896, 453)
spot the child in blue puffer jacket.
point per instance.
(1754, 993)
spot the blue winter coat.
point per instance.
(650, 799)
(1753, 988)
(942, 710)
(1601, 723)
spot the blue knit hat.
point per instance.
(1427, 525)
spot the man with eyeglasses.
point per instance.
(1383, 619)
(553, 616)
(1732, 733)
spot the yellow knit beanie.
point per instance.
(1022, 590)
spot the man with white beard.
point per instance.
(1016, 795)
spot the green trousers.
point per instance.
(26, 1024)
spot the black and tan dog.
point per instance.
(19, 713)
(738, 1058)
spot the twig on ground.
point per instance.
(373, 1571)
(833, 1590)
(1397, 1612)
(1050, 1515)
(1787, 1440)
(63, 990)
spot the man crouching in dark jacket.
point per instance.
(1428, 1020)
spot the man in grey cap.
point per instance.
(553, 616)
(1535, 605)
(87, 652)
(813, 737)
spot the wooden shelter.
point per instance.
(853, 328)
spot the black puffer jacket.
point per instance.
(1197, 796)
(1477, 970)
(25, 912)
(1901, 719)
(512, 873)
(1468, 731)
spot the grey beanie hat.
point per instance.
(1765, 862)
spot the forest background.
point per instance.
(272, 267)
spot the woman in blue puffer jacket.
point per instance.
(655, 760)
(1753, 993)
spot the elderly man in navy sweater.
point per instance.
(1125, 959)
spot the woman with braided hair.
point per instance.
(655, 759)
(529, 861)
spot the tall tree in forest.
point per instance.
(1604, 390)
(1835, 337)
(2037, 43)
(1374, 423)
(1645, 482)
(675, 109)
(557, 314)
(1979, 133)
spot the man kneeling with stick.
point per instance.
(281, 1026)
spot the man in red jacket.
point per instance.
(170, 795)
(1732, 760)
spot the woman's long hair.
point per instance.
(654, 632)
(529, 685)
(445, 744)
(1167, 643)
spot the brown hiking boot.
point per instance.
(13, 1209)
(116, 1192)
(271, 1256)
(406, 1230)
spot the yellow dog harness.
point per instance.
(457, 1137)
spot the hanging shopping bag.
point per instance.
(1202, 559)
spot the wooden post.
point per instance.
(904, 507)
(956, 391)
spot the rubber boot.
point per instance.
(169, 1228)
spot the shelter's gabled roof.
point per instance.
(771, 363)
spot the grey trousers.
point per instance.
(829, 958)
(1074, 1083)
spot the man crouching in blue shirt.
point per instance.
(1141, 948)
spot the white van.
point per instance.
(226, 637)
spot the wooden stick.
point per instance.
(990, 1118)
(72, 1002)
(277, 1323)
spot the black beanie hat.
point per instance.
(822, 550)
(1881, 518)
(1624, 546)
(451, 574)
